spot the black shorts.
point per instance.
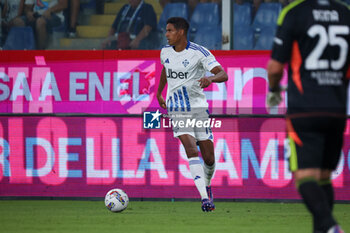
(315, 142)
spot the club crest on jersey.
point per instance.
(185, 62)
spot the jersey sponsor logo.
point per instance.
(174, 75)
(167, 60)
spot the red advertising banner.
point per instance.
(87, 156)
(120, 82)
(106, 146)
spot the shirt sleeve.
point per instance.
(208, 60)
(282, 43)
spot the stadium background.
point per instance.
(71, 121)
(73, 128)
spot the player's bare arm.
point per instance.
(219, 76)
(275, 73)
(161, 86)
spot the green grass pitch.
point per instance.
(158, 217)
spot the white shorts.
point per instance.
(195, 124)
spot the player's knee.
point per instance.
(209, 160)
(301, 174)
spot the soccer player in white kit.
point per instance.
(184, 68)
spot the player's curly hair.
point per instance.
(179, 23)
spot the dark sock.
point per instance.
(327, 187)
(315, 200)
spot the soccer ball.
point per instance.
(116, 200)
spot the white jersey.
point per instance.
(183, 70)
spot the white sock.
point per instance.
(208, 173)
(197, 173)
